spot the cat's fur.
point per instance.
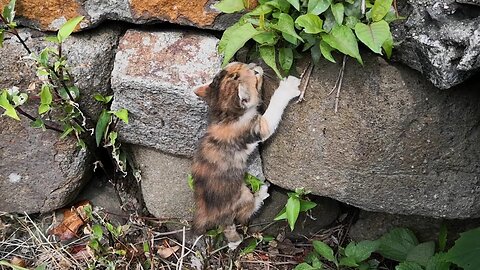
(235, 128)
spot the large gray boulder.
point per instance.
(396, 145)
(154, 76)
(441, 39)
(40, 172)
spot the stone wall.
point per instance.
(398, 144)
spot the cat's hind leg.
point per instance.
(233, 237)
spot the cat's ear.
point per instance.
(201, 90)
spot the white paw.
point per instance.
(289, 86)
(234, 245)
(262, 193)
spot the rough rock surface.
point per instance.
(154, 76)
(164, 182)
(441, 39)
(38, 171)
(396, 145)
(42, 171)
(50, 15)
(372, 225)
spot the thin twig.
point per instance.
(337, 97)
(15, 32)
(363, 7)
(33, 119)
(303, 87)
(182, 254)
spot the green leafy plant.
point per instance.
(282, 29)
(296, 203)
(58, 108)
(402, 246)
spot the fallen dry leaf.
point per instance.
(18, 262)
(166, 252)
(73, 219)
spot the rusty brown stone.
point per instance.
(47, 14)
(196, 12)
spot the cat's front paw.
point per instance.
(289, 86)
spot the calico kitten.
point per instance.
(235, 128)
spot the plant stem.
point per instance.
(15, 32)
(33, 119)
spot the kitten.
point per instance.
(235, 129)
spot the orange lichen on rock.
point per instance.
(197, 12)
(46, 12)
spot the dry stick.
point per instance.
(22, 112)
(305, 74)
(337, 97)
(180, 261)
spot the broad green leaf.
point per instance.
(408, 266)
(293, 40)
(38, 123)
(442, 237)
(373, 35)
(317, 7)
(329, 21)
(362, 250)
(438, 262)
(268, 55)
(421, 253)
(285, 58)
(397, 243)
(306, 205)
(282, 5)
(315, 53)
(9, 11)
(101, 126)
(122, 114)
(266, 38)
(45, 95)
(351, 21)
(324, 250)
(43, 108)
(235, 38)
(252, 245)
(281, 215)
(67, 29)
(99, 97)
(292, 210)
(260, 10)
(53, 39)
(230, 6)
(342, 38)
(465, 252)
(285, 25)
(380, 9)
(348, 261)
(310, 23)
(97, 231)
(2, 36)
(388, 46)
(5, 104)
(338, 10)
(41, 267)
(295, 4)
(304, 266)
(327, 51)
(353, 9)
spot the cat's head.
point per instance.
(233, 90)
